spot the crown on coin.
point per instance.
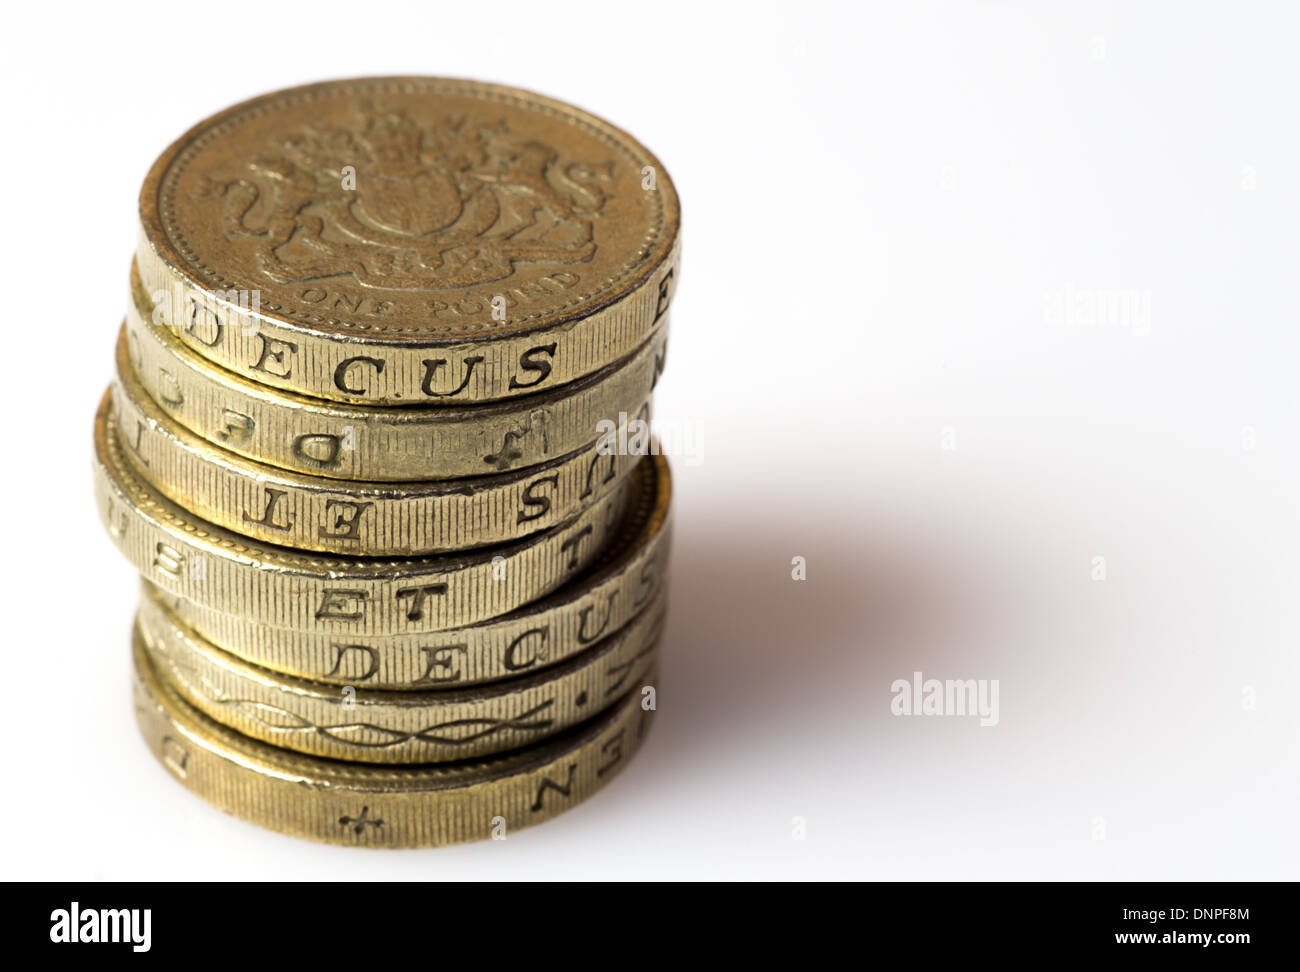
(391, 140)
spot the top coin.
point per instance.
(409, 240)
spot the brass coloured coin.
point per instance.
(341, 722)
(347, 517)
(364, 805)
(286, 588)
(410, 240)
(382, 444)
(625, 577)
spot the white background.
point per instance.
(884, 207)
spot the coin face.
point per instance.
(409, 212)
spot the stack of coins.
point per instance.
(403, 579)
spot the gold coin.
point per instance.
(400, 240)
(364, 805)
(383, 444)
(341, 722)
(341, 516)
(320, 594)
(626, 576)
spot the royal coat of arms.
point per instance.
(400, 205)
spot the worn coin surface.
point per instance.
(365, 805)
(341, 722)
(403, 240)
(347, 517)
(359, 442)
(625, 577)
(317, 593)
